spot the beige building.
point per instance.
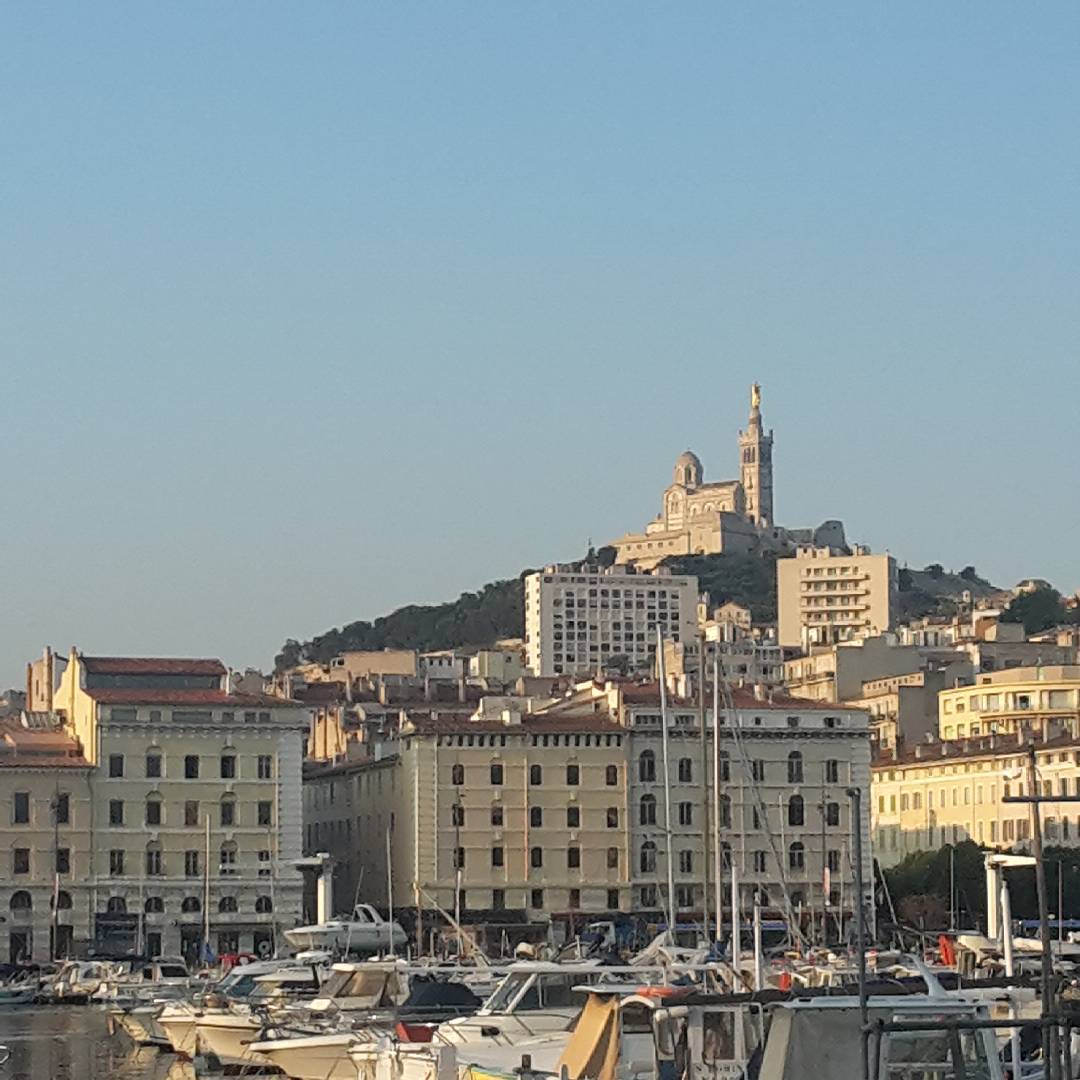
(578, 620)
(1013, 701)
(939, 793)
(824, 597)
(45, 840)
(185, 776)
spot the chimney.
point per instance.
(918, 752)
(381, 687)
(461, 688)
(759, 692)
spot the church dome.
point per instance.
(688, 469)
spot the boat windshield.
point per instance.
(917, 1055)
(546, 990)
(356, 982)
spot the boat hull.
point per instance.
(320, 1057)
(228, 1037)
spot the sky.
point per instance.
(308, 311)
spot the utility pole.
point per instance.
(704, 789)
(855, 795)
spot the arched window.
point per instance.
(116, 905)
(263, 905)
(63, 901)
(496, 772)
(153, 810)
(190, 905)
(796, 811)
(611, 775)
(227, 905)
(646, 766)
(796, 856)
(457, 775)
(154, 905)
(647, 810)
(686, 771)
(725, 766)
(536, 775)
(832, 813)
(536, 817)
(725, 811)
(794, 767)
(20, 901)
(648, 857)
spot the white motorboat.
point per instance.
(365, 932)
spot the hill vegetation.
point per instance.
(498, 609)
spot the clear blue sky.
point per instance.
(311, 310)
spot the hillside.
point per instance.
(498, 609)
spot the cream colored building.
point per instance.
(45, 841)
(185, 776)
(935, 794)
(1016, 700)
(576, 621)
(824, 597)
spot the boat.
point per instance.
(365, 931)
(17, 993)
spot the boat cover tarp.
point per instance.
(593, 1050)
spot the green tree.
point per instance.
(1038, 610)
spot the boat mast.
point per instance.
(718, 864)
(702, 733)
(670, 855)
(389, 893)
(206, 897)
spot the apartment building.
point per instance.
(194, 798)
(45, 839)
(1012, 702)
(578, 620)
(934, 794)
(825, 597)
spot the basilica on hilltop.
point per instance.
(725, 516)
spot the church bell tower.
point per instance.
(755, 455)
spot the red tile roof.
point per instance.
(21, 748)
(151, 665)
(743, 697)
(530, 725)
(125, 696)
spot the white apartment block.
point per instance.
(576, 621)
(824, 597)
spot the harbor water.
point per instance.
(73, 1043)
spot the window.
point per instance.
(20, 860)
(228, 813)
(536, 858)
(573, 857)
(496, 856)
(228, 860)
(611, 775)
(191, 767)
(796, 811)
(612, 817)
(496, 816)
(265, 812)
(20, 808)
(153, 811)
(797, 856)
(228, 766)
(686, 813)
(191, 813)
(647, 810)
(757, 771)
(153, 766)
(62, 808)
(613, 899)
(794, 767)
(574, 899)
(116, 863)
(116, 811)
(725, 811)
(265, 767)
(536, 817)
(613, 858)
(832, 814)
(650, 896)
(498, 899)
(725, 766)
(684, 896)
(648, 857)
(227, 905)
(263, 905)
(457, 815)
(496, 773)
(832, 772)
(191, 864)
(153, 862)
(833, 861)
(686, 861)
(536, 775)
(116, 905)
(190, 905)
(116, 766)
(647, 766)
(686, 771)
(154, 905)
(573, 775)
(264, 863)
(536, 898)
(63, 860)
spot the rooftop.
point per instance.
(182, 696)
(21, 748)
(151, 665)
